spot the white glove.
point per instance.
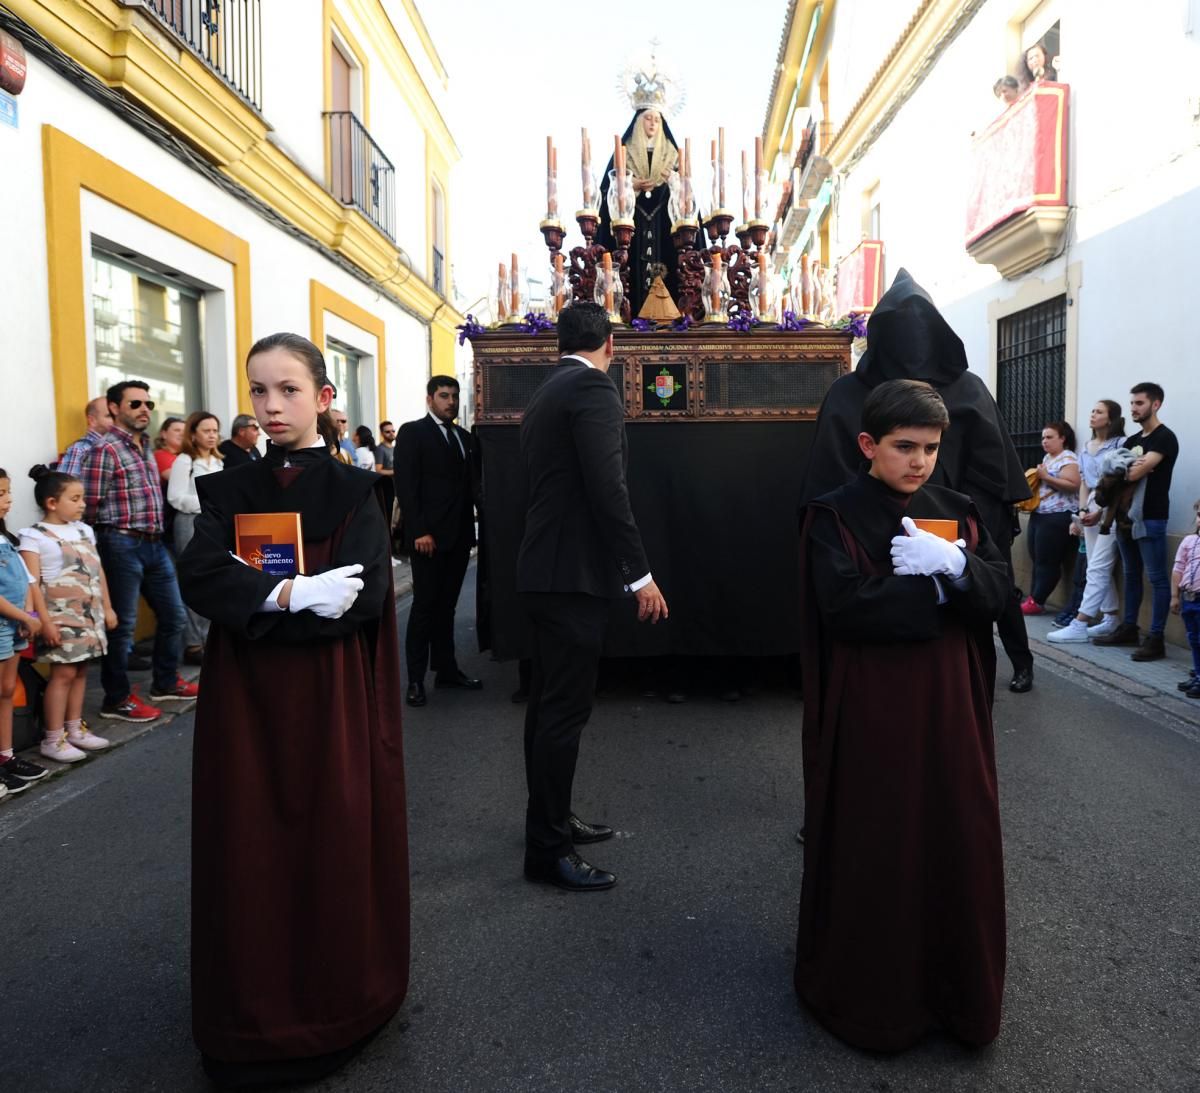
(921, 553)
(329, 595)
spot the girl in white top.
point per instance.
(1049, 530)
(364, 450)
(197, 456)
(72, 597)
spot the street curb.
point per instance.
(1180, 709)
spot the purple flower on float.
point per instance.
(857, 326)
(470, 329)
(792, 321)
(683, 322)
(535, 323)
(642, 325)
(743, 322)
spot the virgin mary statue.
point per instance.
(652, 156)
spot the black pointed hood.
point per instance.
(907, 339)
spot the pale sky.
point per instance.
(526, 69)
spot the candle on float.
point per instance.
(515, 307)
(745, 187)
(585, 168)
(715, 300)
(551, 179)
(715, 199)
(558, 283)
(501, 286)
(687, 173)
(619, 168)
(805, 286)
(721, 165)
(762, 284)
(608, 282)
(758, 176)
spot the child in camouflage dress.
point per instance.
(61, 553)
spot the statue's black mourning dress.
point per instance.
(652, 229)
(902, 924)
(300, 900)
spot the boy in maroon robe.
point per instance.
(902, 924)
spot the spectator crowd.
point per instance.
(116, 510)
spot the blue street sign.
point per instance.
(8, 109)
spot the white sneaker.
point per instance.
(86, 740)
(1075, 630)
(1104, 627)
(61, 750)
(3, 792)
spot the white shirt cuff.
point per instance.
(270, 605)
(641, 582)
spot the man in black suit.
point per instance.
(433, 484)
(242, 446)
(581, 548)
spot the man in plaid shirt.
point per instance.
(99, 421)
(125, 505)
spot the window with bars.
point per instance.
(1031, 373)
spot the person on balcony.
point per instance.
(1007, 89)
(1037, 64)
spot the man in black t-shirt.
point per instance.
(1147, 551)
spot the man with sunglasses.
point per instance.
(124, 504)
(242, 446)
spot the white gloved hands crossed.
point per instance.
(921, 553)
(329, 595)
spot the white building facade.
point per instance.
(1079, 292)
(181, 178)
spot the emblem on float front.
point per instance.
(663, 387)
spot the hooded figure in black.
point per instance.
(907, 338)
(652, 156)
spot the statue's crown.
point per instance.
(649, 81)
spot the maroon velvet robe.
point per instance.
(902, 925)
(300, 900)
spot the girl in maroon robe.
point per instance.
(902, 924)
(300, 906)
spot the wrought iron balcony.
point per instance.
(360, 174)
(225, 34)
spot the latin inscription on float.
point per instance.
(671, 376)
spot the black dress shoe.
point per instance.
(459, 679)
(582, 832)
(416, 694)
(571, 873)
(137, 663)
(1022, 681)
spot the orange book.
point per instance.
(270, 541)
(943, 529)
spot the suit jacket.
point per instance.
(235, 456)
(434, 485)
(580, 535)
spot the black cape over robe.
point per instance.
(907, 338)
(902, 925)
(300, 900)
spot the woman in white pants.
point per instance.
(1100, 591)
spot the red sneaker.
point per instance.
(131, 708)
(1028, 607)
(183, 691)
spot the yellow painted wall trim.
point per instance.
(797, 35)
(207, 113)
(70, 168)
(321, 298)
(924, 31)
(426, 41)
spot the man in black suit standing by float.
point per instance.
(580, 550)
(433, 484)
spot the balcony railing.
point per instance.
(360, 174)
(225, 34)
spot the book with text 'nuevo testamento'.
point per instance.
(270, 541)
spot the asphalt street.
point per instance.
(680, 977)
